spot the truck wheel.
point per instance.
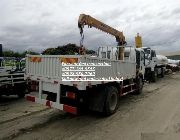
(21, 91)
(139, 86)
(154, 76)
(112, 101)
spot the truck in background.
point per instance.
(12, 80)
(173, 65)
(155, 65)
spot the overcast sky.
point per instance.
(39, 24)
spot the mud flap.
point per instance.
(97, 99)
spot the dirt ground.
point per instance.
(153, 115)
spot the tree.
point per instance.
(90, 52)
(8, 53)
(29, 52)
(49, 51)
(69, 49)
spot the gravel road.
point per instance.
(155, 114)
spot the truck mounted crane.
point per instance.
(155, 65)
(99, 92)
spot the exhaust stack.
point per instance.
(138, 41)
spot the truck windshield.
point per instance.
(103, 54)
(147, 52)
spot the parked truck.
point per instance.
(13, 83)
(12, 80)
(98, 95)
(155, 65)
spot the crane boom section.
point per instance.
(92, 22)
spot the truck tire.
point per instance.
(112, 101)
(21, 91)
(154, 76)
(139, 86)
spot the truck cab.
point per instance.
(153, 66)
(140, 61)
(150, 58)
(131, 54)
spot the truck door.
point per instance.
(142, 62)
(137, 59)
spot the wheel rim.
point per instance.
(113, 101)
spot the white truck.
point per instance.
(155, 65)
(12, 79)
(72, 96)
